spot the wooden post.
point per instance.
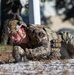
(34, 12)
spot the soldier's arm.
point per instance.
(19, 53)
(38, 52)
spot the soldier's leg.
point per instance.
(68, 43)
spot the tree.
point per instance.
(10, 10)
(68, 6)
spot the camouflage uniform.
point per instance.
(43, 42)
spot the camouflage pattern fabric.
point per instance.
(68, 42)
(14, 25)
(36, 34)
(38, 52)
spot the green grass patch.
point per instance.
(6, 48)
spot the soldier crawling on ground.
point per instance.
(35, 42)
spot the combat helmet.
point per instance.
(14, 25)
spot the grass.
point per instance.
(6, 48)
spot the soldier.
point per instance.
(26, 43)
(33, 42)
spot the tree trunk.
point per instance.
(10, 10)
